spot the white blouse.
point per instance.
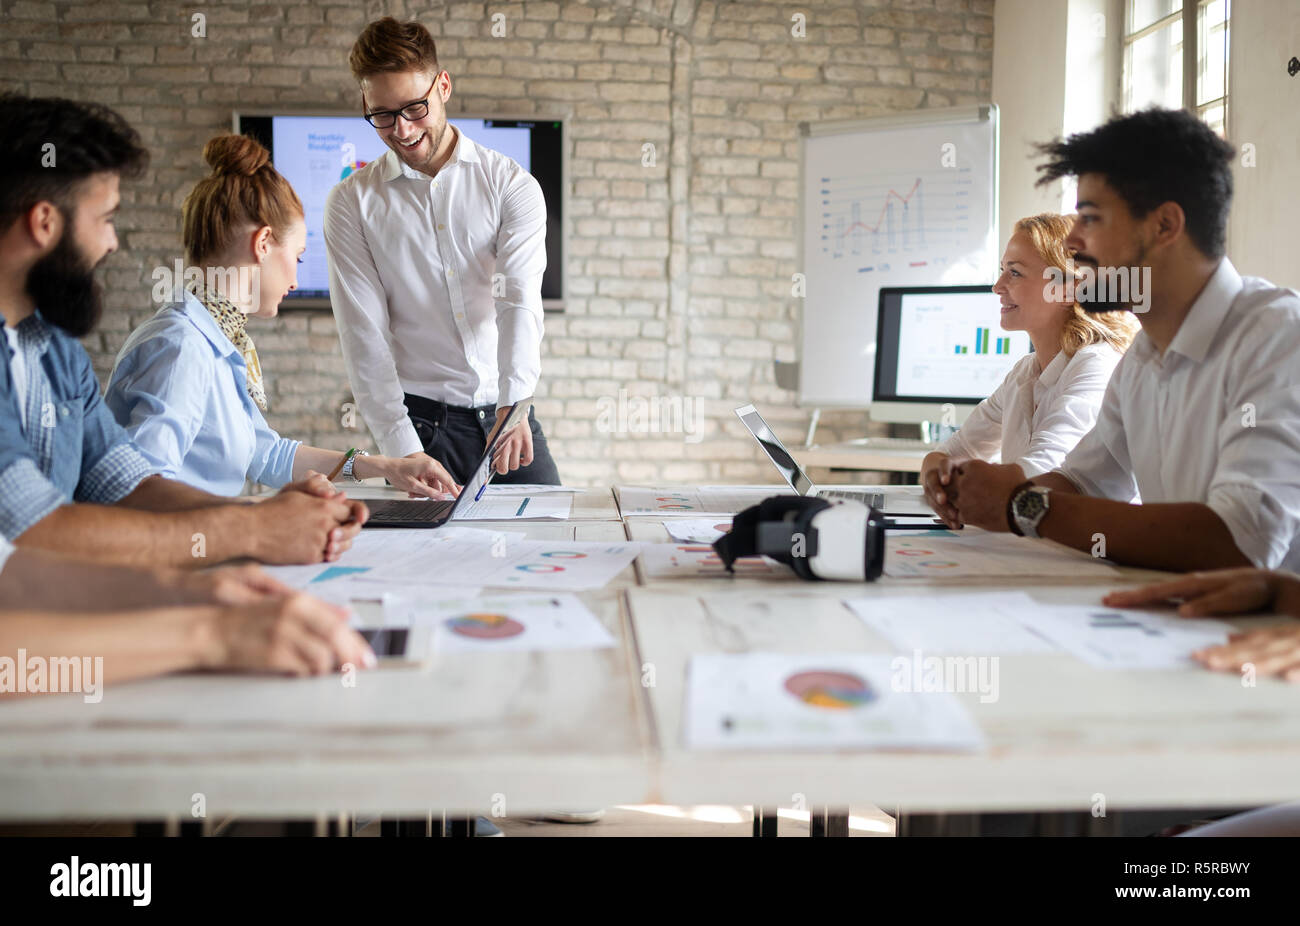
(1033, 418)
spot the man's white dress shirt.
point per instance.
(412, 261)
(1216, 420)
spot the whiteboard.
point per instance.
(902, 200)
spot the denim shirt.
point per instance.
(71, 448)
(178, 388)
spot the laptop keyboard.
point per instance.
(874, 499)
(387, 512)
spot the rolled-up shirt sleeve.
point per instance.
(26, 494)
(361, 309)
(111, 465)
(1099, 465)
(1256, 484)
(521, 261)
(272, 455)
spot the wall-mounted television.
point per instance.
(309, 148)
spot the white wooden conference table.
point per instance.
(521, 732)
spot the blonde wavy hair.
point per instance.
(1048, 232)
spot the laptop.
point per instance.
(435, 513)
(910, 504)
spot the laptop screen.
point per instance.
(469, 493)
(775, 450)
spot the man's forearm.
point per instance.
(132, 644)
(1179, 537)
(157, 493)
(39, 579)
(1057, 482)
(110, 533)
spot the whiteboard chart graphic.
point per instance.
(881, 224)
(902, 200)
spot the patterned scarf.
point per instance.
(232, 321)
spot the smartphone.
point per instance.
(397, 645)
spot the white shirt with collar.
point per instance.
(411, 266)
(1216, 420)
(6, 551)
(1034, 418)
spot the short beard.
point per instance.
(1111, 305)
(62, 284)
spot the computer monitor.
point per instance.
(939, 352)
(315, 151)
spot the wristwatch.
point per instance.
(1027, 507)
(347, 467)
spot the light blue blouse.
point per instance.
(178, 388)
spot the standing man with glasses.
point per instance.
(436, 255)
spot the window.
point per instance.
(1161, 69)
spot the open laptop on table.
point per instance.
(888, 503)
(430, 513)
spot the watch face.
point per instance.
(1030, 505)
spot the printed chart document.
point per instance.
(353, 577)
(567, 565)
(528, 488)
(511, 507)
(691, 501)
(500, 623)
(774, 701)
(973, 624)
(697, 530)
(699, 561)
(1109, 638)
(944, 553)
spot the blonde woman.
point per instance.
(187, 385)
(1051, 397)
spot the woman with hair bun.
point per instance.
(1051, 397)
(187, 385)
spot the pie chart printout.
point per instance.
(830, 690)
(485, 626)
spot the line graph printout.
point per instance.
(888, 204)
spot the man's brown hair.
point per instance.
(386, 45)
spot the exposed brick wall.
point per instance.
(678, 272)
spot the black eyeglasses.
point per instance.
(411, 112)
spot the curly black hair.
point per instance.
(1151, 157)
(51, 145)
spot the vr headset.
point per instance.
(818, 539)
